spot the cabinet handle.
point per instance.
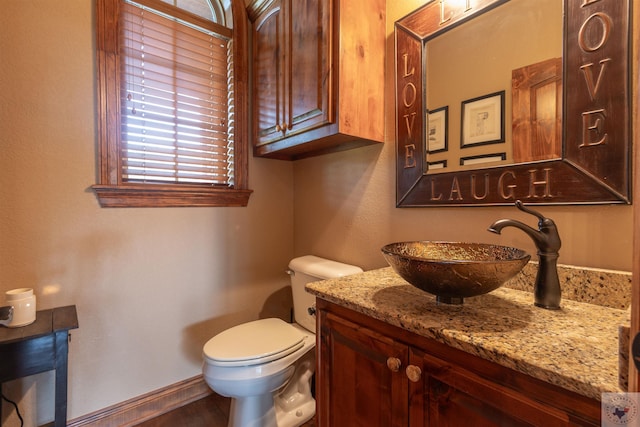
(393, 363)
(413, 373)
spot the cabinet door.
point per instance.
(361, 379)
(268, 68)
(449, 395)
(308, 74)
(291, 63)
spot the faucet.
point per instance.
(547, 286)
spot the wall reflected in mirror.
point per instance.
(469, 125)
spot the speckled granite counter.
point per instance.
(575, 347)
(609, 288)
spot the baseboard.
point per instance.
(147, 406)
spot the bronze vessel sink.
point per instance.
(453, 271)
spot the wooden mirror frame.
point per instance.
(596, 135)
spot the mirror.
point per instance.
(551, 125)
(521, 42)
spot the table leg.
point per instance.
(62, 350)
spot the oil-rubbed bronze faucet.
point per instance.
(547, 287)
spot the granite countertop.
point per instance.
(575, 347)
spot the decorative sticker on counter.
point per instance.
(620, 409)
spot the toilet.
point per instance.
(265, 366)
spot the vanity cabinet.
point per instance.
(318, 76)
(375, 374)
(359, 380)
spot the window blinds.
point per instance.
(176, 108)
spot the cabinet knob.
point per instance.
(393, 363)
(413, 373)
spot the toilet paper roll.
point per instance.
(24, 306)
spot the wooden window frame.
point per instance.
(110, 190)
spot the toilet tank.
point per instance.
(310, 268)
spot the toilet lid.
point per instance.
(254, 342)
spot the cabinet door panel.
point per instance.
(453, 396)
(355, 381)
(449, 406)
(308, 77)
(268, 72)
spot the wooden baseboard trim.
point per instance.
(147, 406)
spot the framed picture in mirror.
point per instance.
(483, 120)
(482, 159)
(438, 135)
(440, 164)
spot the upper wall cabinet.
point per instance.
(318, 76)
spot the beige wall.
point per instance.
(150, 285)
(345, 205)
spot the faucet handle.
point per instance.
(522, 207)
(543, 222)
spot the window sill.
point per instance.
(156, 195)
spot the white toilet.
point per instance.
(266, 366)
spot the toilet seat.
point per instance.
(253, 343)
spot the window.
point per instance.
(172, 81)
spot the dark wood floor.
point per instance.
(212, 411)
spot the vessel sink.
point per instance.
(453, 271)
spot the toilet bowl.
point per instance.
(266, 366)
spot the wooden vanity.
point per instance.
(388, 355)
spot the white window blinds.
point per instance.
(176, 101)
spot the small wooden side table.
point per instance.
(39, 347)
